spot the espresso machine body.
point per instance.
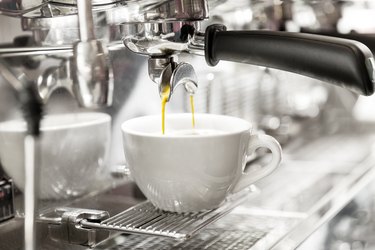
(115, 57)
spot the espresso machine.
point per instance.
(76, 56)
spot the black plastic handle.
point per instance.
(342, 62)
(366, 39)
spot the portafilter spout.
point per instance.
(164, 71)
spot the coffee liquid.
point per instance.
(164, 99)
(192, 110)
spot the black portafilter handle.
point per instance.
(343, 62)
(365, 38)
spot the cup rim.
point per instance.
(95, 118)
(127, 130)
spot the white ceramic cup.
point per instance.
(74, 148)
(181, 172)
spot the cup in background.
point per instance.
(74, 151)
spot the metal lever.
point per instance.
(67, 227)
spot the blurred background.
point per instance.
(322, 197)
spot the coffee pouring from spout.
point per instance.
(166, 72)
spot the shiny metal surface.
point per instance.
(63, 50)
(35, 8)
(49, 21)
(284, 213)
(156, 66)
(184, 74)
(318, 191)
(165, 72)
(92, 74)
(213, 238)
(94, 2)
(163, 31)
(35, 51)
(331, 204)
(159, 39)
(351, 228)
(148, 220)
(14, 78)
(67, 229)
(85, 21)
(91, 71)
(54, 78)
(273, 101)
(159, 11)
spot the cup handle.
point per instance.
(260, 141)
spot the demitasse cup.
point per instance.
(187, 169)
(74, 148)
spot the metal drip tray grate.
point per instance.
(144, 218)
(209, 239)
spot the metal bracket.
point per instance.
(68, 227)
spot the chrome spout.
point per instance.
(164, 71)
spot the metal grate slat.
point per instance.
(146, 219)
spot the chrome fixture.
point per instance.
(67, 227)
(92, 75)
(89, 227)
(63, 24)
(164, 71)
(162, 29)
(160, 33)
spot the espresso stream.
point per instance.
(164, 99)
(192, 110)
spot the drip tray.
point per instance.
(88, 227)
(209, 239)
(146, 219)
(235, 231)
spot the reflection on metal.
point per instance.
(38, 8)
(67, 227)
(370, 64)
(331, 204)
(54, 78)
(143, 218)
(160, 39)
(15, 78)
(56, 24)
(286, 212)
(92, 74)
(213, 238)
(164, 71)
(64, 51)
